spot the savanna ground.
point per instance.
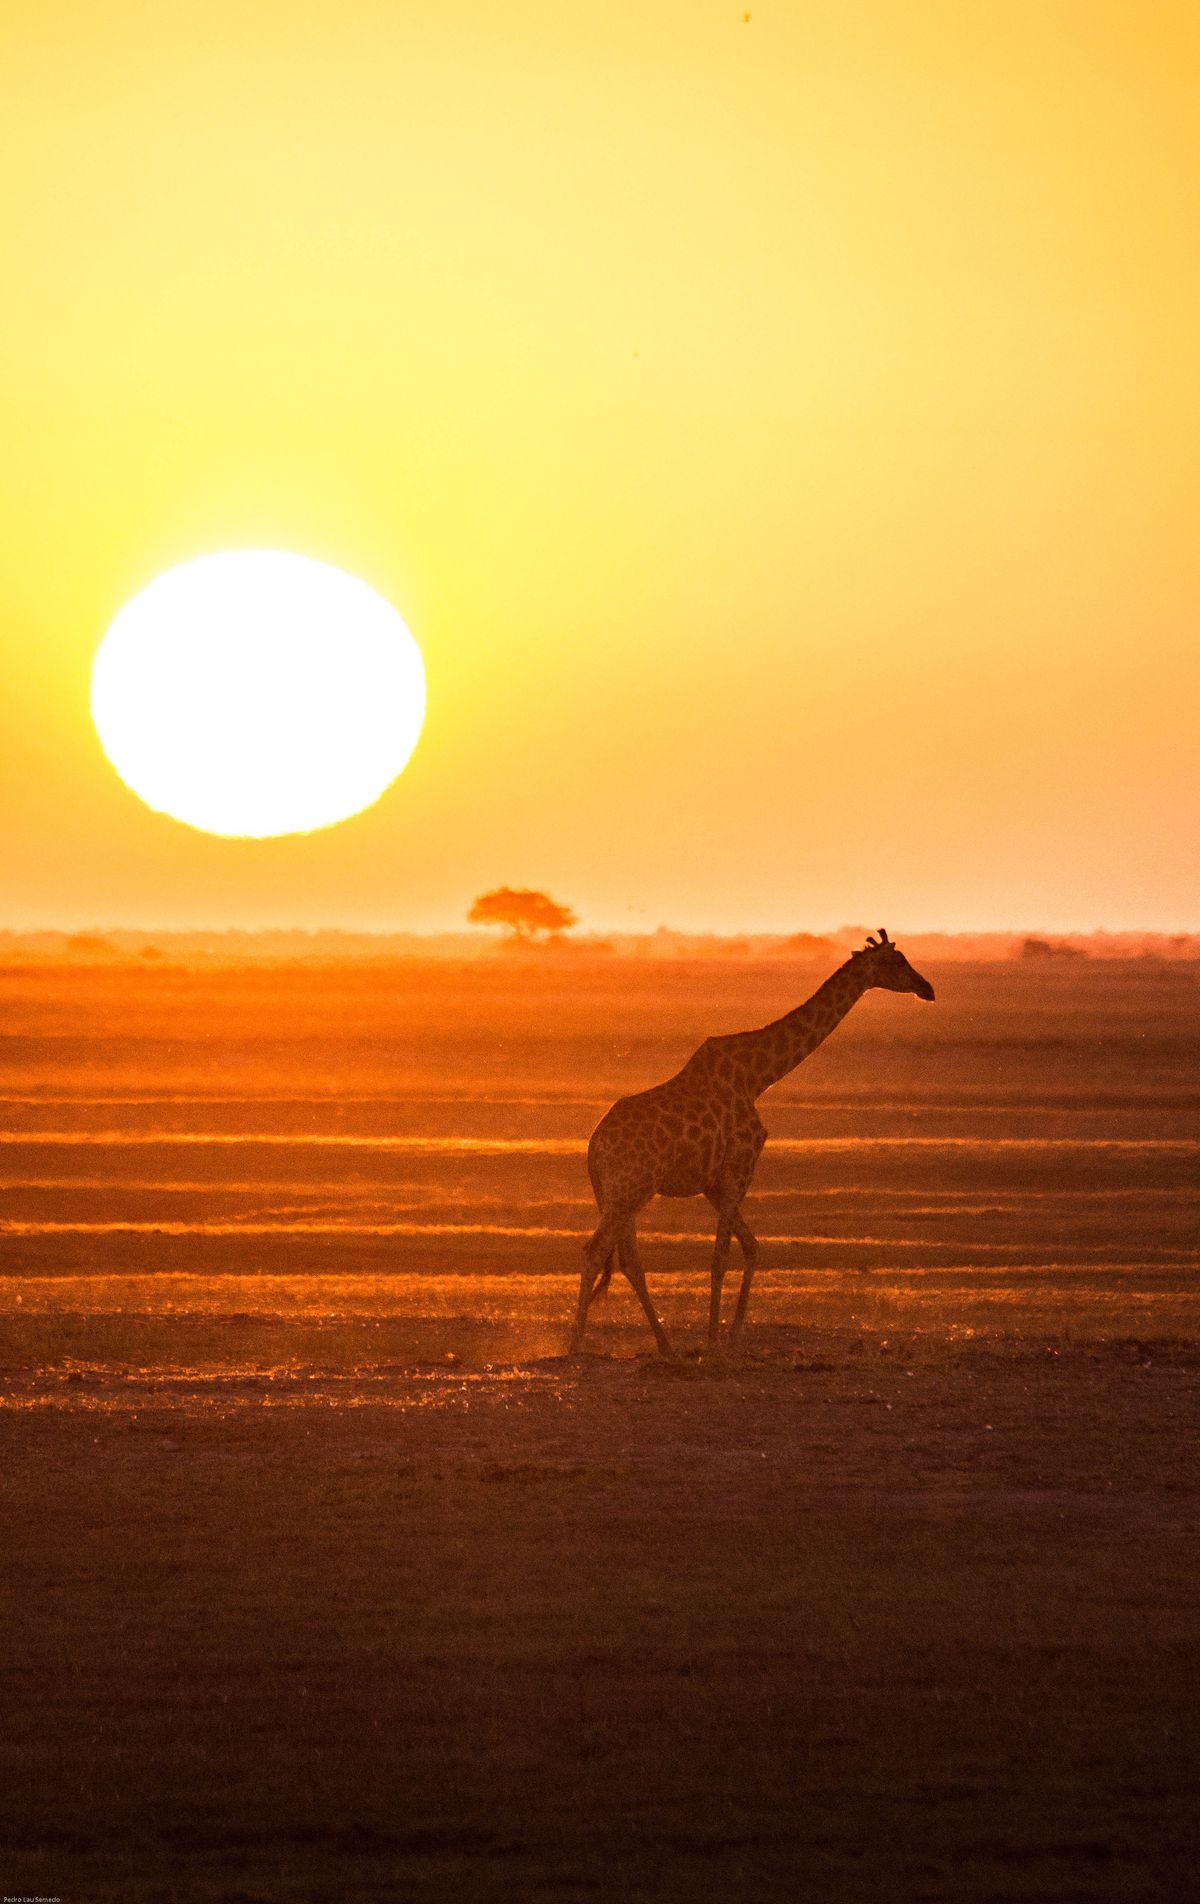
(325, 1576)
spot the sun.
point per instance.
(256, 693)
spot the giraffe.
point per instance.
(699, 1134)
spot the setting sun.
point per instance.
(258, 693)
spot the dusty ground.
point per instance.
(861, 1616)
(325, 1577)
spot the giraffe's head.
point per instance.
(885, 965)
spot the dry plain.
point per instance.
(326, 1576)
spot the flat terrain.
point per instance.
(326, 1576)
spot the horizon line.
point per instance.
(485, 936)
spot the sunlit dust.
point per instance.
(258, 693)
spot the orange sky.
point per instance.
(782, 438)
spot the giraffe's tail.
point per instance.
(603, 1279)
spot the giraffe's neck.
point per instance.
(779, 1047)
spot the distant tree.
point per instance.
(524, 912)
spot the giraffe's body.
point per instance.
(699, 1134)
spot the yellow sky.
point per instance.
(782, 438)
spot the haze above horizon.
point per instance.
(781, 436)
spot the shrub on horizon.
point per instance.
(1042, 949)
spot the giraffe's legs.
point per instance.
(734, 1224)
(631, 1263)
(749, 1248)
(588, 1277)
(720, 1258)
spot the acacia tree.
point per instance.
(523, 911)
